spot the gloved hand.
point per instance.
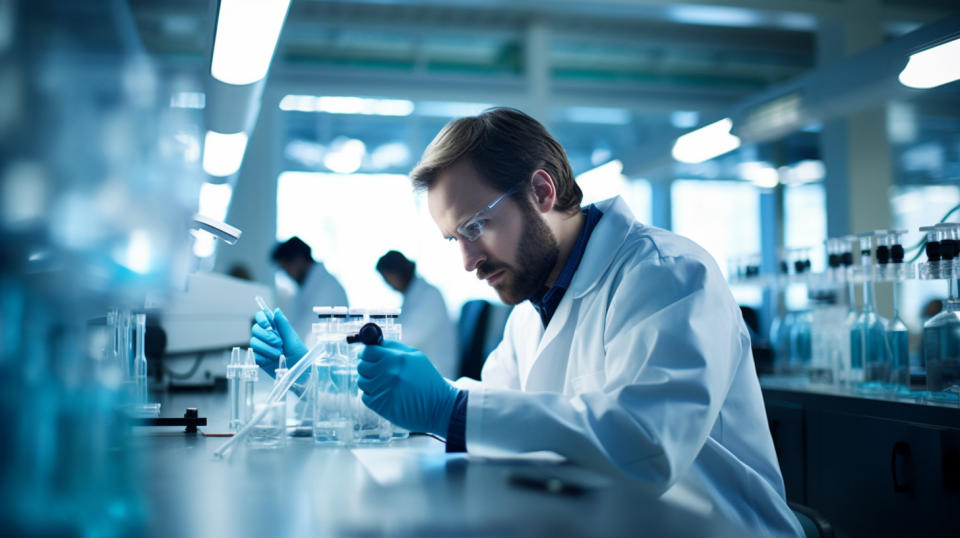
(269, 343)
(400, 384)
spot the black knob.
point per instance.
(370, 334)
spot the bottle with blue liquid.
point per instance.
(870, 328)
(852, 368)
(941, 334)
(890, 256)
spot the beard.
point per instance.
(537, 254)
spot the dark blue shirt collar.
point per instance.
(547, 301)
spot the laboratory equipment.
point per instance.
(941, 350)
(248, 384)
(781, 325)
(941, 334)
(392, 330)
(872, 365)
(332, 413)
(948, 250)
(212, 313)
(829, 346)
(234, 367)
(800, 345)
(280, 388)
(271, 430)
(369, 427)
(304, 407)
(369, 335)
(890, 256)
(140, 360)
(931, 269)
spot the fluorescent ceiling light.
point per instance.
(247, 32)
(223, 153)
(450, 109)
(933, 67)
(347, 105)
(706, 142)
(715, 16)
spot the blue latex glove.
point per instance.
(269, 343)
(400, 384)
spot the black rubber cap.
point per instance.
(883, 254)
(896, 253)
(370, 334)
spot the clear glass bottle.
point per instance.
(370, 428)
(897, 332)
(941, 333)
(870, 328)
(781, 325)
(800, 329)
(305, 406)
(140, 360)
(851, 370)
(332, 423)
(233, 390)
(249, 375)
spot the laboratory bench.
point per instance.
(870, 464)
(407, 488)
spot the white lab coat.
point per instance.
(644, 372)
(427, 326)
(320, 288)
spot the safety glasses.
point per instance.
(472, 228)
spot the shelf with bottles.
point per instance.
(941, 245)
(829, 340)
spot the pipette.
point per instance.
(266, 309)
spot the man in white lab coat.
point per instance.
(316, 286)
(625, 353)
(426, 323)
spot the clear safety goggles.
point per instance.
(472, 228)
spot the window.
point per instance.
(351, 220)
(724, 218)
(805, 226)
(607, 181)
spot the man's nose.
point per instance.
(473, 254)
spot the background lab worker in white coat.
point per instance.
(426, 323)
(625, 353)
(316, 286)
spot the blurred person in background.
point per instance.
(426, 323)
(315, 285)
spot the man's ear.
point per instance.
(544, 191)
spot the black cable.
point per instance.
(437, 437)
(189, 374)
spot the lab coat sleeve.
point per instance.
(672, 342)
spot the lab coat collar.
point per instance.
(602, 247)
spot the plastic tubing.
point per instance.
(279, 389)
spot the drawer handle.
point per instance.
(899, 466)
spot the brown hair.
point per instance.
(505, 146)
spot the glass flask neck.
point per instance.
(868, 302)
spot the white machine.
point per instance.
(204, 322)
